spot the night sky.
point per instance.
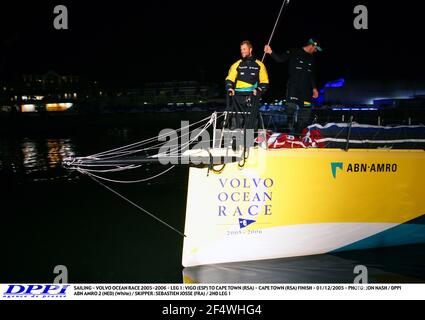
(127, 43)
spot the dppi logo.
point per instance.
(36, 291)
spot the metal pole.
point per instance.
(349, 133)
(285, 2)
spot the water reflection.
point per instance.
(37, 158)
(311, 269)
(31, 157)
(58, 150)
(41, 155)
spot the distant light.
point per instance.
(354, 109)
(5, 108)
(377, 101)
(75, 95)
(28, 108)
(335, 84)
(145, 103)
(24, 98)
(58, 106)
(39, 98)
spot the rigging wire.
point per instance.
(89, 172)
(146, 141)
(137, 206)
(285, 2)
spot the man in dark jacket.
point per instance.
(301, 86)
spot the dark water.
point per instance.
(50, 216)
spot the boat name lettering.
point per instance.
(374, 167)
(247, 183)
(255, 191)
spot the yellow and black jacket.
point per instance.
(246, 75)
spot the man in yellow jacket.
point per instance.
(246, 82)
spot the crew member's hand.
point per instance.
(254, 92)
(315, 93)
(268, 49)
(231, 92)
(258, 92)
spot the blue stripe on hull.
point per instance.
(420, 220)
(410, 232)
